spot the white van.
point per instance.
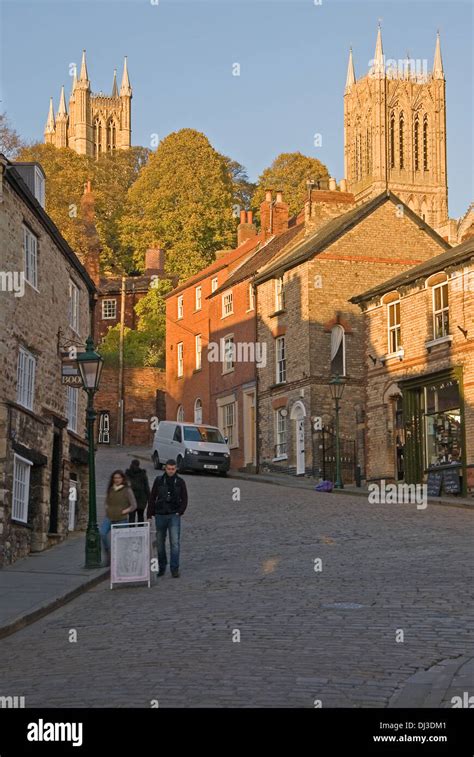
(194, 446)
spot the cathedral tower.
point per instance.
(96, 123)
(395, 133)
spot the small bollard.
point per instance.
(358, 476)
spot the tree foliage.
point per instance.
(289, 172)
(10, 141)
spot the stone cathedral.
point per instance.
(395, 133)
(96, 123)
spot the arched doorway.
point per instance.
(298, 415)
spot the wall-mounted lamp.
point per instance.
(463, 331)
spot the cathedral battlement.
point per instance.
(96, 123)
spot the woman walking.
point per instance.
(141, 489)
(119, 502)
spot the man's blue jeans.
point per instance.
(171, 524)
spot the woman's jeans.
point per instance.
(172, 525)
(105, 529)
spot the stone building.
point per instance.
(96, 123)
(312, 332)
(45, 303)
(419, 357)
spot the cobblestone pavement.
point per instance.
(248, 566)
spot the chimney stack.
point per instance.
(246, 229)
(154, 261)
(273, 215)
(343, 185)
(332, 185)
(325, 204)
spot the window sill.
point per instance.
(277, 385)
(197, 370)
(400, 354)
(277, 312)
(223, 317)
(280, 457)
(441, 340)
(35, 288)
(21, 523)
(230, 370)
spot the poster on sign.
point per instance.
(130, 554)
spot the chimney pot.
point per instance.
(243, 216)
(249, 216)
(343, 185)
(268, 195)
(332, 184)
(279, 197)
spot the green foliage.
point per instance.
(181, 200)
(289, 172)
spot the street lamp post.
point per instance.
(336, 386)
(90, 367)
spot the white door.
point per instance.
(72, 504)
(300, 459)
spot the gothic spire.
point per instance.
(114, 85)
(438, 72)
(74, 81)
(50, 123)
(83, 75)
(378, 67)
(125, 88)
(62, 111)
(350, 79)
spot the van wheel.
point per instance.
(179, 464)
(156, 461)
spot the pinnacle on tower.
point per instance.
(62, 111)
(438, 72)
(50, 123)
(350, 79)
(378, 69)
(83, 75)
(125, 88)
(74, 82)
(114, 85)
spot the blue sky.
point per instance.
(292, 56)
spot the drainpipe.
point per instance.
(257, 416)
(120, 420)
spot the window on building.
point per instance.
(392, 140)
(280, 353)
(440, 310)
(279, 294)
(180, 414)
(39, 187)
(228, 362)
(111, 135)
(228, 422)
(401, 141)
(72, 404)
(281, 416)
(180, 306)
(214, 284)
(198, 352)
(198, 411)
(227, 304)
(416, 141)
(21, 488)
(109, 309)
(251, 297)
(74, 306)
(443, 426)
(338, 357)
(30, 247)
(394, 332)
(425, 143)
(198, 298)
(97, 137)
(25, 387)
(180, 353)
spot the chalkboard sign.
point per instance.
(434, 483)
(451, 481)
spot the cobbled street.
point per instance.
(248, 565)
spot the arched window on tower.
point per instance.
(401, 145)
(416, 143)
(392, 141)
(97, 137)
(111, 138)
(425, 143)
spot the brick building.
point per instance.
(313, 332)
(43, 451)
(419, 355)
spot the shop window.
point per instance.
(443, 430)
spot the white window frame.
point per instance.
(72, 407)
(106, 309)
(229, 411)
(180, 356)
(280, 359)
(198, 407)
(180, 306)
(198, 344)
(227, 304)
(251, 297)
(30, 250)
(180, 414)
(394, 328)
(281, 433)
(227, 365)
(74, 294)
(198, 298)
(214, 283)
(441, 310)
(26, 370)
(20, 505)
(279, 294)
(343, 344)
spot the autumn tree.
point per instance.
(182, 200)
(289, 172)
(10, 141)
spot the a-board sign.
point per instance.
(451, 481)
(130, 553)
(434, 482)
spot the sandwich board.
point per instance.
(130, 553)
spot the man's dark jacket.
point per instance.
(160, 504)
(140, 486)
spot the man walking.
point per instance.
(168, 501)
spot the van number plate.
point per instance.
(211, 466)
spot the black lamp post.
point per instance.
(336, 386)
(90, 367)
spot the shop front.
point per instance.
(435, 439)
